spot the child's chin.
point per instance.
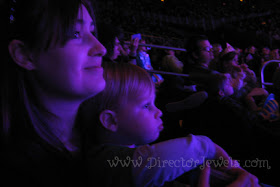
(153, 139)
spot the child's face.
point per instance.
(73, 70)
(139, 120)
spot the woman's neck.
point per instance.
(62, 121)
(63, 111)
(60, 115)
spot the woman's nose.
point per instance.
(97, 48)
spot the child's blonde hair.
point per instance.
(124, 82)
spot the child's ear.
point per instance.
(108, 120)
(221, 93)
(21, 55)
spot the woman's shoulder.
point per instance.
(38, 164)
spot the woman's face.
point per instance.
(73, 70)
(117, 47)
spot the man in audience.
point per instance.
(199, 55)
(265, 54)
(253, 60)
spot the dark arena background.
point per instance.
(238, 22)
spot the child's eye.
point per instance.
(146, 105)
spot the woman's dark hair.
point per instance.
(40, 25)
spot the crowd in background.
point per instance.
(171, 21)
(223, 97)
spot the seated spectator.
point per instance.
(232, 125)
(274, 54)
(265, 54)
(129, 51)
(111, 37)
(171, 63)
(53, 64)
(199, 53)
(224, 119)
(128, 121)
(229, 64)
(143, 60)
(252, 59)
(244, 80)
(269, 133)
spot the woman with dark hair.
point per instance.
(112, 38)
(54, 64)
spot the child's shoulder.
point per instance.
(107, 151)
(110, 164)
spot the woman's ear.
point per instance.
(108, 120)
(21, 55)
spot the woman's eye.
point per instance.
(77, 35)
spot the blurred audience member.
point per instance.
(265, 54)
(274, 54)
(171, 63)
(143, 60)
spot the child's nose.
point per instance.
(158, 113)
